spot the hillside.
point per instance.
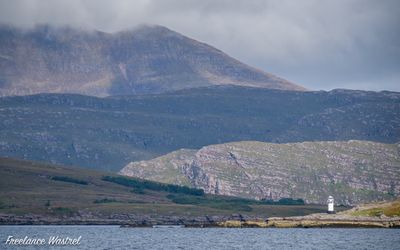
(148, 59)
(108, 133)
(33, 192)
(381, 209)
(353, 172)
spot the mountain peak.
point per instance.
(147, 59)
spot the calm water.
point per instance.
(113, 237)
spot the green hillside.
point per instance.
(389, 209)
(32, 188)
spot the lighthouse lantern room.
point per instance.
(331, 205)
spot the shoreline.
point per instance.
(232, 221)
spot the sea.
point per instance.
(114, 237)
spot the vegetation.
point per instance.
(387, 209)
(3, 205)
(105, 200)
(79, 128)
(47, 204)
(220, 202)
(151, 185)
(69, 179)
(227, 202)
(20, 179)
(137, 190)
(62, 210)
(285, 201)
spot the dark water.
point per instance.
(113, 237)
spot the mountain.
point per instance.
(108, 133)
(39, 193)
(148, 59)
(353, 172)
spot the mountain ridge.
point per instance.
(111, 132)
(144, 60)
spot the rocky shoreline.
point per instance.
(319, 221)
(232, 221)
(132, 220)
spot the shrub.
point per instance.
(69, 179)
(138, 190)
(63, 210)
(284, 201)
(47, 204)
(151, 185)
(225, 203)
(105, 200)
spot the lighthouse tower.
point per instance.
(331, 205)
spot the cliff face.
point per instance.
(353, 172)
(149, 59)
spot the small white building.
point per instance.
(331, 205)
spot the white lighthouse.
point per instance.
(331, 205)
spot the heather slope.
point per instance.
(39, 193)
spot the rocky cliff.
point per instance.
(148, 59)
(352, 171)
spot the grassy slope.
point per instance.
(26, 187)
(389, 209)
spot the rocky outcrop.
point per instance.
(353, 171)
(316, 221)
(126, 219)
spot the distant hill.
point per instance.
(108, 133)
(353, 172)
(148, 59)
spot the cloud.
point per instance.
(320, 44)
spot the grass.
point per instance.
(62, 211)
(27, 188)
(393, 210)
(388, 209)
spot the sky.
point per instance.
(319, 44)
